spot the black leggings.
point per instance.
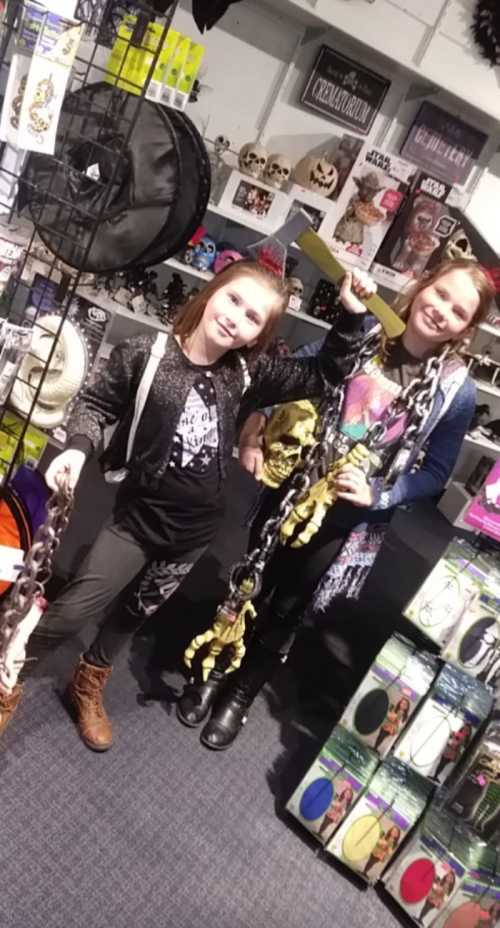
(293, 574)
(116, 564)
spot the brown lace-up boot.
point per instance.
(8, 705)
(85, 696)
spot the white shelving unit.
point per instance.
(482, 443)
(255, 227)
(484, 387)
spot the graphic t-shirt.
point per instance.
(182, 513)
(371, 392)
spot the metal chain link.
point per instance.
(38, 563)
(416, 399)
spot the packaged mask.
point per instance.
(389, 694)
(449, 592)
(15, 342)
(389, 808)
(439, 735)
(31, 24)
(332, 784)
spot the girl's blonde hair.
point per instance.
(403, 302)
(190, 316)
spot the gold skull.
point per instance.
(290, 429)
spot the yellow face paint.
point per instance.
(361, 838)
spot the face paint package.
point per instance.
(476, 904)
(439, 735)
(475, 643)
(427, 875)
(48, 77)
(387, 697)
(389, 808)
(474, 794)
(332, 784)
(448, 592)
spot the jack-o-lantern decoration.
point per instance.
(316, 174)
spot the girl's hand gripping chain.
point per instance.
(228, 630)
(312, 508)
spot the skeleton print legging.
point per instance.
(116, 564)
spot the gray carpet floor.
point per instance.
(160, 832)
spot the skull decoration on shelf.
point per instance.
(459, 246)
(204, 254)
(296, 287)
(289, 431)
(316, 174)
(252, 159)
(278, 170)
(221, 144)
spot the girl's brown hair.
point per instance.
(403, 302)
(190, 317)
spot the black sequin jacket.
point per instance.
(109, 398)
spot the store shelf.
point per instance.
(98, 298)
(482, 443)
(243, 220)
(187, 269)
(307, 318)
(484, 387)
(492, 329)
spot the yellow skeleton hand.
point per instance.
(228, 630)
(314, 505)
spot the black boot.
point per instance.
(198, 698)
(230, 713)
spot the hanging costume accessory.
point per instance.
(128, 185)
(157, 352)
(486, 30)
(26, 602)
(416, 400)
(57, 347)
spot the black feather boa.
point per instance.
(486, 29)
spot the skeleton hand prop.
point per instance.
(228, 630)
(314, 505)
(291, 429)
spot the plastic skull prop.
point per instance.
(252, 159)
(316, 174)
(296, 287)
(204, 254)
(290, 429)
(278, 171)
(459, 246)
(221, 144)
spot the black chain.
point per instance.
(416, 400)
(38, 563)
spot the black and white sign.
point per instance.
(344, 90)
(443, 144)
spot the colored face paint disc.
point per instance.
(478, 643)
(371, 712)
(429, 742)
(361, 838)
(417, 881)
(466, 916)
(316, 799)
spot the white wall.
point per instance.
(257, 59)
